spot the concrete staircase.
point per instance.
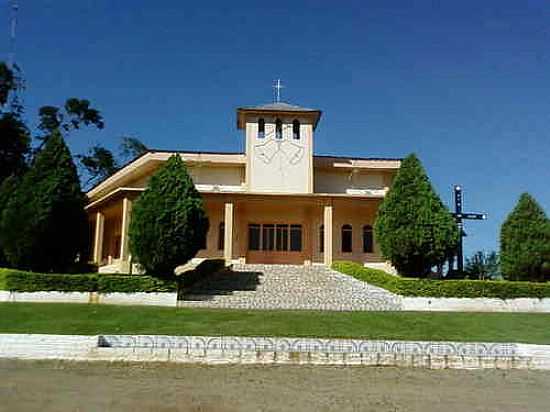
(288, 287)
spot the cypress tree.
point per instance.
(414, 229)
(525, 241)
(169, 223)
(44, 225)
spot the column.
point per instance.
(126, 212)
(228, 233)
(327, 223)
(98, 238)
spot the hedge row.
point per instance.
(21, 281)
(444, 288)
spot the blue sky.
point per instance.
(465, 85)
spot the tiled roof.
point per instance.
(287, 107)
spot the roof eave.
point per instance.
(243, 110)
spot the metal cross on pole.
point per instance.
(277, 87)
(459, 216)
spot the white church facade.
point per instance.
(275, 203)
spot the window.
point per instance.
(347, 245)
(268, 237)
(295, 238)
(282, 237)
(322, 238)
(368, 243)
(275, 237)
(278, 129)
(261, 129)
(253, 237)
(221, 236)
(296, 130)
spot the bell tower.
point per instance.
(279, 147)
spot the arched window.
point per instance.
(221, 236)
(261, 129)
(368, 239)
(296, 130)
(347, 243)
(322, 238)
(278, 129)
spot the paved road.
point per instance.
(54, 386)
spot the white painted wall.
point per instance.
(346, 181)
(279, 165)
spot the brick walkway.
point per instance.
(289, 287)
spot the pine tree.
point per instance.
(414, 229)
(525, 241)
(44, 225)
(169, 223)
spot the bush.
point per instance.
(444, 288)
(525, 241)
(414, 229)
(130, 284)
(169, 224)
(21, 281)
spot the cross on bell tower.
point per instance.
(277, 86)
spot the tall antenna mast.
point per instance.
(13, 27)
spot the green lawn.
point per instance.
(57, 318)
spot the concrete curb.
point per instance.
(265, 350)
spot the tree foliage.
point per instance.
(131, 147)
(169, 223)
(77, 112)
(483, 266)
(44, 225)
(99, 162)
(525, 241)
(14, 136)
(414, 229)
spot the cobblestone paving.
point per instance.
(289, 287)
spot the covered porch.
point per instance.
(253, 228)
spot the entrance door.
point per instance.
(275, 243)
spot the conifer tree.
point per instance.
(169, 223)
(44, 225)
(414, 229)
(525, 241)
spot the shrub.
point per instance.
(21, 281)
(414, 229)
(44, 225)
(130, 284)
(525, 241)
(169, 224)
(444, 288)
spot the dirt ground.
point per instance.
(60, 386)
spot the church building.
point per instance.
(276, 203)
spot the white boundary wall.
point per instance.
(141, 298)
(297, 351)
(412, 304)
(475, 304)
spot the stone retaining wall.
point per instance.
(298, 351)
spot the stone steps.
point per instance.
(288, 287)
